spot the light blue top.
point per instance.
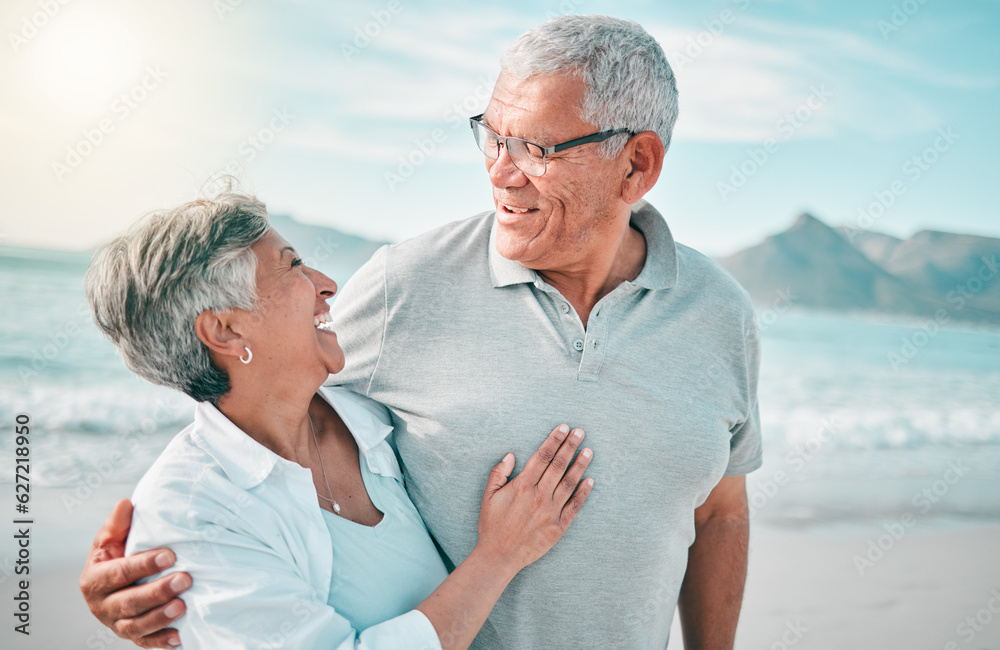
(269, 569)
(384, 569)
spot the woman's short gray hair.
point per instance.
(147, 287)
(630, 83)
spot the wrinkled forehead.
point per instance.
(538, 106)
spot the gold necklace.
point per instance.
(336, 506)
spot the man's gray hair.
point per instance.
(630, 83)
(147, 287)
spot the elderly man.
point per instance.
(571, 300)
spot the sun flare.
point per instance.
(83, 59)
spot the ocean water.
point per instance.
(864, 419)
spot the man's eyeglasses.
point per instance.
(528, 156)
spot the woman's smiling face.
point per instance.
(283, 331)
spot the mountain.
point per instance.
(876, 246)
(336, 253)
(820, 268)
(847, 269)
(944, 263)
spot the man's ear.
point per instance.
(645, 157)
(220, 332)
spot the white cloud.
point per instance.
(821, 42)
(735, 85)
(732, 88)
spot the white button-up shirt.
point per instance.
(246, 524)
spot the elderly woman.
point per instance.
(284, 499)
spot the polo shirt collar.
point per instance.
(659, 271)
(505, 272)
(248, 463)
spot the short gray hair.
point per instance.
(147, 287)
(630, 83)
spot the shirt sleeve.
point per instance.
(745, 447)
(248, 595)
(359, 317)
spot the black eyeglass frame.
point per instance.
(562, 146)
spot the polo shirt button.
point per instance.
(564, 307)
(578, 345)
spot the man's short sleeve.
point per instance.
(359, 319)
(745, 449)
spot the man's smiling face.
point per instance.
(553, 221)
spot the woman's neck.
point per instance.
(279, 421)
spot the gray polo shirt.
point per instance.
(476, 356)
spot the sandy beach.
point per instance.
(804, 588)
(805, 591)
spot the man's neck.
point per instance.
(585, 287)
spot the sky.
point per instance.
(876, 114)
